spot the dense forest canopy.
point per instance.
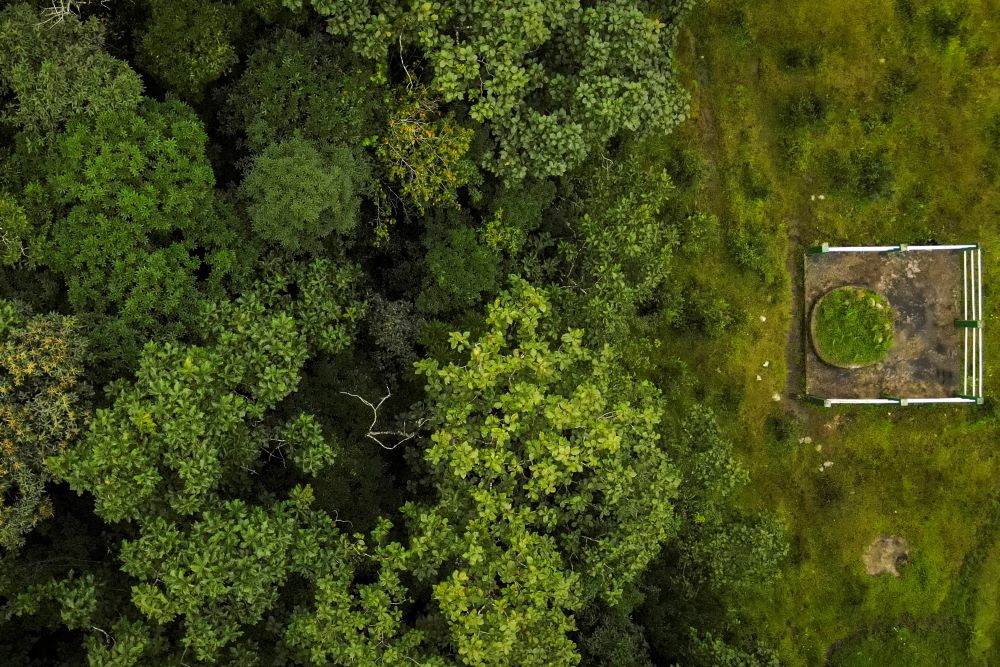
(372, 332)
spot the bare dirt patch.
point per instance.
(885, 555)
(924, 289)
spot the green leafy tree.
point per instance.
(219, 575)
(59, 70)
(14, 228)
(355, 620)
(43, 409)
(711, 651)
(720, 548)
(424, 150)
(73, 598)
(553, 488)
(554, 80)
(295, 196)
(186, 427)
(720, 555)
(617, 253)
(188, 44)
(124, 210)
(460, 267)
(306, 85)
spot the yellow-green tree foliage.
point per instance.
(554, 490)
(423, 150)
(42, 410)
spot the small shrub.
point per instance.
(736, 20)
(784, 431)
(906, 10)
(802, 110)
(866, 173)
(709, 314)
(993, 131)
(699, 232)
(754, 185)
(898, 84)
(685, 167)
(945, 22)
(756, 242)
(795, 57)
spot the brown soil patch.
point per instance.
(885, 555)
(924, 289)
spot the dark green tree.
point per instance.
(295, 195)
(188, 44)
(461, 268)
(616, 245)
(59, 70)
(302, 85)
(124, 210)
(188, 426)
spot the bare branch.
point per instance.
(377, 436)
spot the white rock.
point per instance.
(759, 378)
(766, 364)
(763, 319)
(822, 197)
(775, 397)
(827, 464)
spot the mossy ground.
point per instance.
(854, 123)
(852, 327)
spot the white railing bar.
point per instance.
(965, 316)
(979, 255)
(982, 392)
(863, 248)
(942, 247)
(887, 248)
(893, 401)
(972, 313)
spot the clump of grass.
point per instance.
(852, 327)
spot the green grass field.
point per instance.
(854, 123)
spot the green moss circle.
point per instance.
(852, 327)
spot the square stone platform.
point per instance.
(924, 289)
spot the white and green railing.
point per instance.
(971, 325)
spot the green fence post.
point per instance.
(816, 400)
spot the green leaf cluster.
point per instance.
(57, 71)
(124, 209)
(185, 429)
(188, 44)
(553, 488)
(553, 80)
(296, 196)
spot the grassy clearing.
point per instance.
(856, 122)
